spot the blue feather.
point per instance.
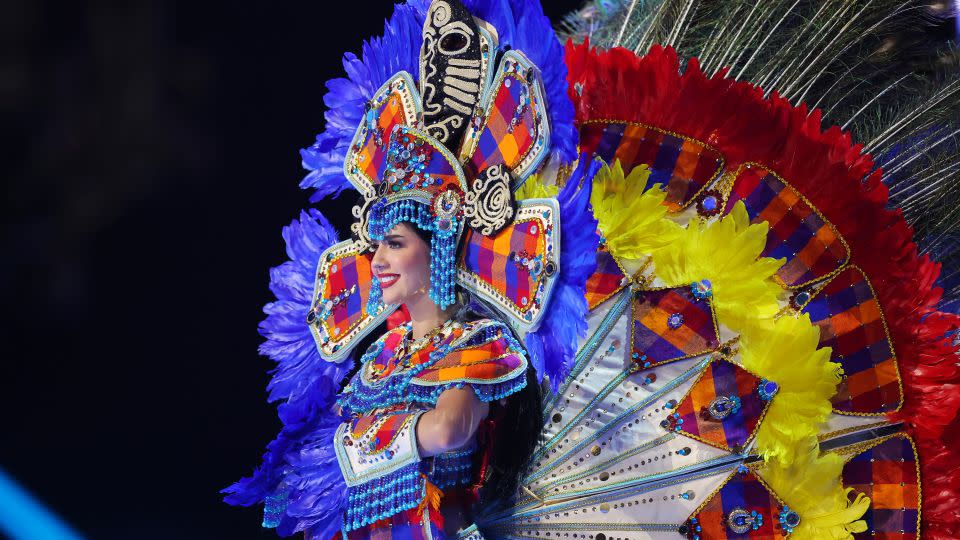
(398, 49)
(307, 387)
(553, 345)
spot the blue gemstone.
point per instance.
(710, 203)
(675, 321)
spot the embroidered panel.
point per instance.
(514, 129)
(889, 474)
(743, 508)
(724, 407)
(516, 268)
(395, 103)
(493, 361)
(812, 247)
(339, 314)
(418, 167)
(670, 324)
(683, 166)
(852, 325)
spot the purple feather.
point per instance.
(398, 49)
(553, 346)
(305, 384)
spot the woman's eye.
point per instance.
(394, 245)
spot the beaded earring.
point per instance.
(375, 300)
(443, 246)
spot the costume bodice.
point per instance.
(398, 373)
(398, 379)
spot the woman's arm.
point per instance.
(452, 423)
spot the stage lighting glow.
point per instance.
(23, 517)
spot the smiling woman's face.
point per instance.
(402, 264)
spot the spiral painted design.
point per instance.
(489, 203)
(440, 13)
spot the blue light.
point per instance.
(24, 518)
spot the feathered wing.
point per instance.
(299, 480)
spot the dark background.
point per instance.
(150, 159)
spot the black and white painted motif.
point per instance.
(451, 70)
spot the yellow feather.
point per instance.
(810, 485)
(534, 188)
(726, 252)
(633, 221)
(807, 381)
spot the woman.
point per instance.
(443, 412)
(408, 373)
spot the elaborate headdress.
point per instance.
(446, 156)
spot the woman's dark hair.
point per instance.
(518, 420)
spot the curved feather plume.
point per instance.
(553, 345)
(299, 468)
(381, 57)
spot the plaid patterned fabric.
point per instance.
(490, 361)
(494, 260)
(722, 379)
(343, 275)
(653, 336)
(370, 157)
(385, 433)
(388, 361)
(684, 166)
(889, 474)
(499, 141)
(742, 491)
(606, 281)
(798, 233)
(851, 323)
(443, 176)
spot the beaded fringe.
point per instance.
(273, 509)
(383, 497)
(452, 469)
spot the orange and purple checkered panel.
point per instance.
(722, 379)
(373, 148)
(488, 361)
(851, 324)
(606, 281)
(385, 433)
(495, 260)
(798, 233)
(743, 491)
(887, 473)
(508, 134)
(342, 275)
(388, 361)
(683, 166)
(670, 324)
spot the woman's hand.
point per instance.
(452, 423)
